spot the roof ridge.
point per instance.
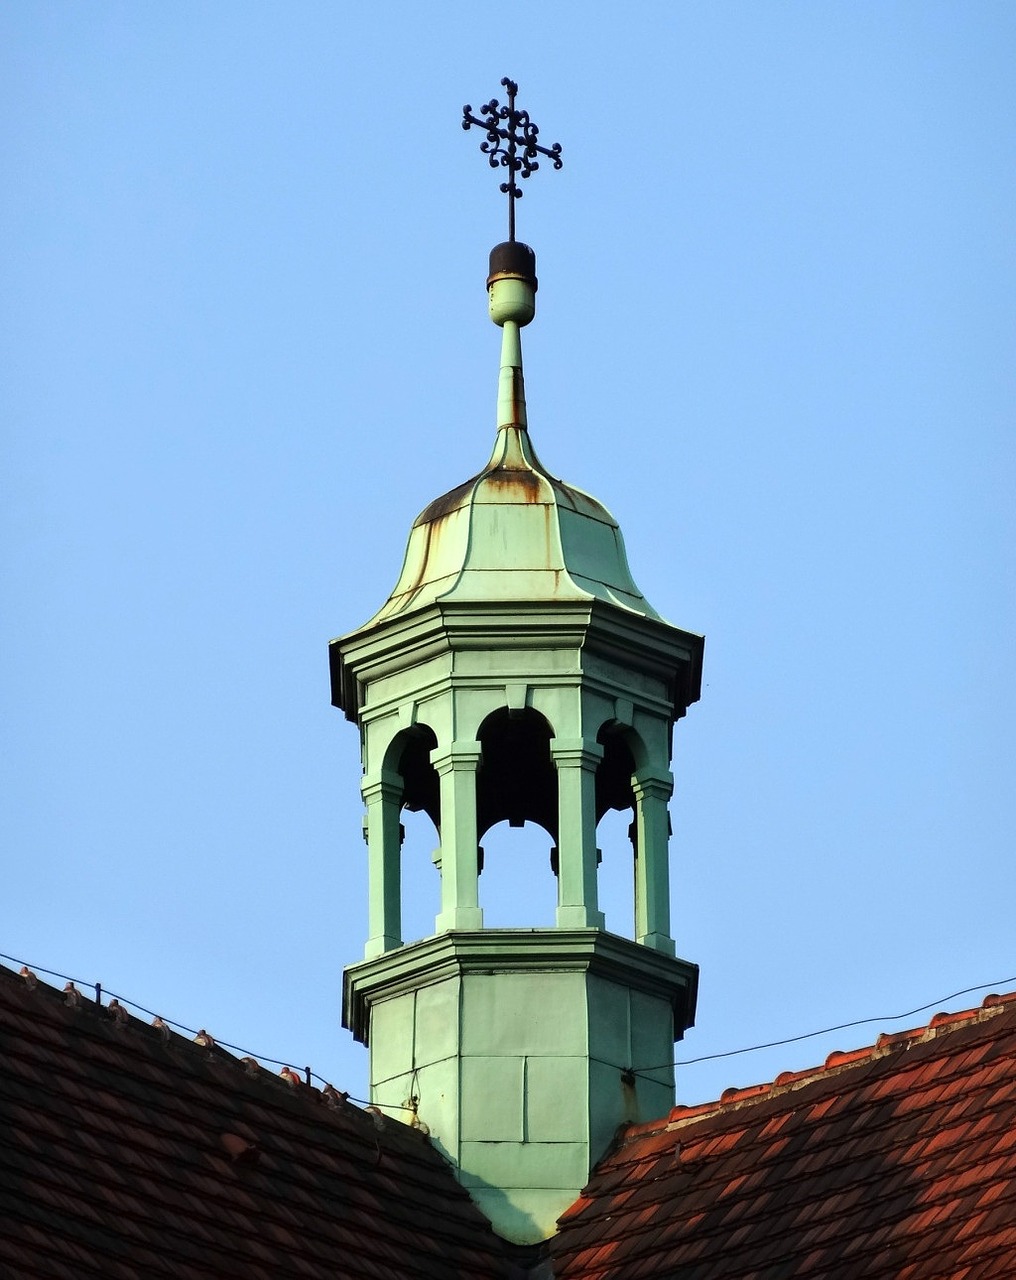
(116, 1016)
(129, 1141)
(836, 1061)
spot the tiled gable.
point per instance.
(895, 1161)
(127, 1150)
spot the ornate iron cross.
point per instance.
(510, 143)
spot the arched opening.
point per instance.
(517, 887)
(516, 812)
(419, 823)
(517, 782)
(615, 828)
(420, 784)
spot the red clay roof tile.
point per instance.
(897, 1160)
(890, 1161)
(112, 1164)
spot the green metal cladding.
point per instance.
(516, 673)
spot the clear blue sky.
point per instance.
(245, 341)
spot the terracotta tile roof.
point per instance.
(127, 1150)
(898, 1160)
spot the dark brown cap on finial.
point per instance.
(512, 260)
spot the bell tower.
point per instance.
(517, 673)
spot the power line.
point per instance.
(842, 1026)
(100, 990)
(679, 1062)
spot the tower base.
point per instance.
(525, 1049)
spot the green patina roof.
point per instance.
(515, 532)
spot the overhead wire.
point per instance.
(678, 1062)
(100, 991)
(841, 1026)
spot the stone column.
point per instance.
(653, 788)
(460, 903)
(576, 762)
(382, 793)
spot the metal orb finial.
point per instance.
(511, 143)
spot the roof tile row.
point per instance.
(115, 1162)
(132, 1150)
(895, 1159)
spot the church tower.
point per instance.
(517, 673)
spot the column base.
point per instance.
(579, 917)
(661, 942)
(459, 918)
(378, 946)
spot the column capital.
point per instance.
(577, 753)
(653, 782)
(386, 784)
(457, 755)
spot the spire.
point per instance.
(564, 545)
(511, 143)
(511, 295)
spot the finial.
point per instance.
(506, 125)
